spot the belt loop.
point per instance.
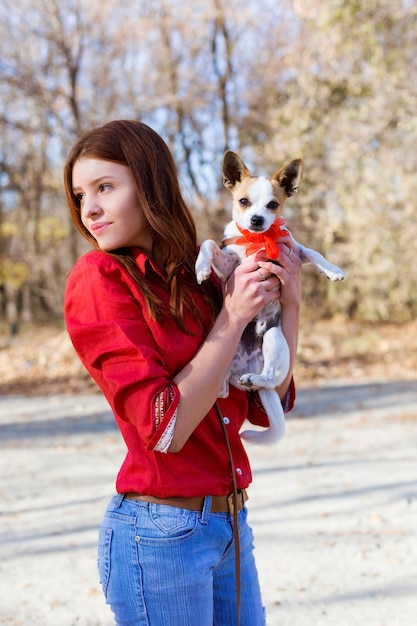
(117, 500)
(205, 513)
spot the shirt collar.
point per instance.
(145, 263)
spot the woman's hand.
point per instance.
(287, 271)
(250, 288)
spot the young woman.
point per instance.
(159, 346)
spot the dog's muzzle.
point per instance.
(257, 223)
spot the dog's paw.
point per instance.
(202, 274)
(246, 381)
(256, 381)
(331, 271)
(334, 273)
(204, 261)
(202, 268)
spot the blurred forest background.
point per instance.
(332, 81)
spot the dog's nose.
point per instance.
(257, 221)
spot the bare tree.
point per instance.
(270, 80)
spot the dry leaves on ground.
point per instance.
(41, 360)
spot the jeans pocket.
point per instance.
(103, 561)
(170, 520)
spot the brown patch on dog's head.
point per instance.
(235, 170)
(258, 200)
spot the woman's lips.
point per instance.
(99, 227)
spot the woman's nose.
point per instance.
(90, 207)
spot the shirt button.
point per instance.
(239, 471)
(226, 420)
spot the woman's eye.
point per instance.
(105, 186)
(272, 205)
(79, 198)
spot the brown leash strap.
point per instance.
(235, 514)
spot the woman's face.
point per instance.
(108, 204)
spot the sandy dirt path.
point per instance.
(333, 507)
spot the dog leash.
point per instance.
(235, 513)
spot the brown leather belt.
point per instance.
(219, 504)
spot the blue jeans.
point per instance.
(166, 566)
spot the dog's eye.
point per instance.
(272, 205)
(244, 202)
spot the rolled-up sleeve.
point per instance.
(109, 332)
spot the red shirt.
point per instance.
(134, 359)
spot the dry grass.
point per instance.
(41, 360)
(343, 349)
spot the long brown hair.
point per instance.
(169, 220)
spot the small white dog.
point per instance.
(262, 360)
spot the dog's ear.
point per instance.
(233, 169)
(289, 176)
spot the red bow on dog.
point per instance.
(268, 239)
